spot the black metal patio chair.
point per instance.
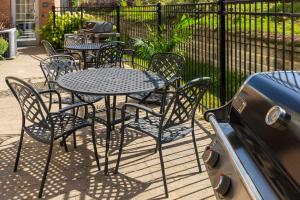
(50, 51)
(45, 126)
(55, 66)
(170, 125)
(110, 55)
(171, 66)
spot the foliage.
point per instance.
(166, 40)
(4, 22)
(3, 47)
(123, 3)
(66, 23)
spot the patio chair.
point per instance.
(169, 65)
(52, 52)
(110, 55)
(45, 126)
(170, 125)
(55, 66)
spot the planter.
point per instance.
(11, 36)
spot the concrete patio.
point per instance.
(74, 174)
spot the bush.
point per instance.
(66, 23)
(3, 47)
(162, 43)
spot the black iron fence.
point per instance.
(231, 39)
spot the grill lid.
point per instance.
(265, 114)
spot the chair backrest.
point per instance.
(71, 39)
(49, 48)
(33, 108)
(55, 66)
(186, 99)
(110, 55)
(169, 65)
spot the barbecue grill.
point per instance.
(256, 150)
(98, 30)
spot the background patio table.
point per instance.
(84, 48)
(111, 82)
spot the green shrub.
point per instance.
(3, 47)
(163, 42)
(66, 23)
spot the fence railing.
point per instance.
(231, 39)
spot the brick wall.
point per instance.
(5, 7)
(44, 8)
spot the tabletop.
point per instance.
(111, 81)
(84, 46)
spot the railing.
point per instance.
(231, 40)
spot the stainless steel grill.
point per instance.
(255, 154)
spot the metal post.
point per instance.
(118, 9)
(81, 16)
(53, 14)
(159, 18)
(222, 52)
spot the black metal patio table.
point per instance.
(111, 82)
(84, 48)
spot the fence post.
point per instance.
(159, 18)
(53, 14)
(222, 52)
(118, 9)
(81, 16)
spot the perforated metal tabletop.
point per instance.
(84, 46)
(111, 81)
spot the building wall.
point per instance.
(5, 8)
(44, 9)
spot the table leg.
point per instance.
(114, 112)
(108, 131)
(84, 60)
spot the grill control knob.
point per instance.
(277, 117)
(211, 157)
(223, 186)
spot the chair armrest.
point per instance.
(140, 107)
(174, 79)
(52, 91)
(60, 51)
(129, 52)
(75, 105)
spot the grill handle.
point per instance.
(252, 190)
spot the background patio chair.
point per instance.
(110, 55)
(45, 126)
(50, 51)
(55, 66)
(169, 65)
(170, 125)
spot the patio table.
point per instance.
(111, 82)
(84, 48)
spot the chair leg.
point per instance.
(65, 144)
(95, 146)
(19, 150)
(120, 149)
(46, 171)
(163, 169)
(74, 140)
(156, 146)
(196, 150)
